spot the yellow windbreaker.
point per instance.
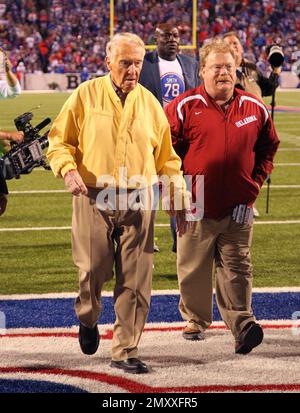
(97, 135)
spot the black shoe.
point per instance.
(88, 339)
(132, 365)
(251, 336)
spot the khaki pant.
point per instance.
(227, 245)
(101, 242)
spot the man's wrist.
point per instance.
(67, 173)
(67, 168)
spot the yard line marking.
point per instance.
(39, 191)
(287, 122)
(287, 164)
(156, 225)
(295, 221)
(277, 222)
(288, 149)
(62, 191)
(33, 229)
(281, 186)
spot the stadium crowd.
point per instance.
(68, 35)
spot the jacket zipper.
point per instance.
(225, 150)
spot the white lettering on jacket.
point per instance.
(245, 121)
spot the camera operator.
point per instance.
(9, 88)
(3, 199)
(249, 77)
(3, 193)
(16, 136)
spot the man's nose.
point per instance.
(131, 68)
(223, 70)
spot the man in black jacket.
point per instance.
(167, 74)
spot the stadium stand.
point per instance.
(66, 36)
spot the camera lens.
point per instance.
(276, 56)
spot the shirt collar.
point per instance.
(119, 92)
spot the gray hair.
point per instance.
(125, 37)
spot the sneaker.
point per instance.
(251, 336)
(194, 334)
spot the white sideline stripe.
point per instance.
(153, 293)
(33, 229)
(156, 225)
(39, 191)
(288, 149)
(277, 222)
(287, 89)
(287, 164)
(280, 186)
(54, 191)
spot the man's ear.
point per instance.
(201, 72)
(155, 36)
(108, 62)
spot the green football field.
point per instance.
(35, 252)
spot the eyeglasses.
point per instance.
(217, 68)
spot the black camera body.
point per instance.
(27, 155)
(275, 55)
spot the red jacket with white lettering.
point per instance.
(234, 150)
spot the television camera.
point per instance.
(25, 156)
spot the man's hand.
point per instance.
(74, 183)
(277, 70)
(182, 225)
(17, 136)
(3, 203)
(7, 63)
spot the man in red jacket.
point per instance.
(227, 136)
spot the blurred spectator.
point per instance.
(84, 75)
(20, 70)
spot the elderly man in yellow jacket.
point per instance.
(110, 138)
